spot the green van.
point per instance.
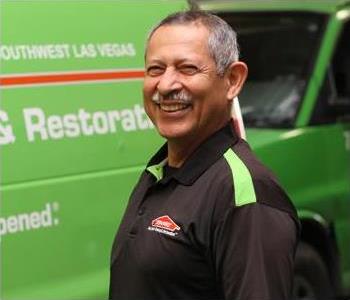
(74, 138)
(74, 135)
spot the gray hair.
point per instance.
(222, 41)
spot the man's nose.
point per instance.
(169, 82)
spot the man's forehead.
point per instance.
(192, 34)
(178, 32)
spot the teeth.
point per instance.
(173, 107)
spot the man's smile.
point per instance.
(170, 106)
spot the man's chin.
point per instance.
(175, 133)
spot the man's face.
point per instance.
(183, 95)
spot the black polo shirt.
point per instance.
(219, 227)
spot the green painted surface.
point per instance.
(323, 6)
(313, 164)
(70, 152)
(321, 65)
(242, 180)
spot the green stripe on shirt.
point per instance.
(242, 180)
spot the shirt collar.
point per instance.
(199, 161)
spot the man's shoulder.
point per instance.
(251, 181)
(239, 163)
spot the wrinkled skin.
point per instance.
(192, 101)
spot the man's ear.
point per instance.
(236, 75)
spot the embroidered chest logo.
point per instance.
(164, 224)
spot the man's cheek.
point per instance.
(150, 108)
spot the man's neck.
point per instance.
(178, 153)
(179, 150)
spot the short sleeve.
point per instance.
(253, 250)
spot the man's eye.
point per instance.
(154, 71)
(188, 69)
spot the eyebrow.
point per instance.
(158, 61)
(179, 61)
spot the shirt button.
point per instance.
(134, 230)
(141, 211)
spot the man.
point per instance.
(206, 220)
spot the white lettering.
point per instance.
(23, 222)
(128, 120)
(12, 225)
(116, 50)
(28, 221)
(6, 133)
(150, 228)
(2, 226)
(84, 117)
(100, 122)
(65, 51)
(141, 117)
(46, 216)
(71, 125)
(49, 51)
(35, 220)
(113, 117)
(39, 127)
(84, 50)
(55, 127)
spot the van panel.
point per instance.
(74, 139)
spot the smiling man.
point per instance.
(206, 220)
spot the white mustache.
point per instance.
(182, 96)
